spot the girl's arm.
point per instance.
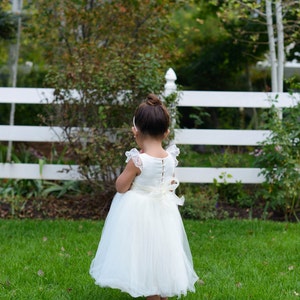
(126, 178)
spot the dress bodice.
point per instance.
(155, 171)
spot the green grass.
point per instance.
(234, 259)
(216, 157)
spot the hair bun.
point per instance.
(153, 100)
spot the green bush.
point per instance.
(231, 157)
(112, 66)
(279, 158)
(236, 194)
(200, 202)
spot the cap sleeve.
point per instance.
(134, 154)
(174, 151)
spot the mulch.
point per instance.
(96, 208)
(72, 208)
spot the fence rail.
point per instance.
(182, 136)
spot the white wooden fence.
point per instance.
(182, 136)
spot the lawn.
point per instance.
(43, 259)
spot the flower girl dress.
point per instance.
(144, 249)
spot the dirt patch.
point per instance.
(225, 210)
(76, 207)
(95, 208)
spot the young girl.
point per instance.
(144, 250)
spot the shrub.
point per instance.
(234, 194)
(279, 158)
(111, 54)
(200, 202)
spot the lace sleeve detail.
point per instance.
(174, 151)
(134, 154)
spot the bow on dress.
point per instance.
(166, 189)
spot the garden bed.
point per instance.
(75, 208)
(89, 207)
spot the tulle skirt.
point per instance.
(143, 249)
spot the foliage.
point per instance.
(200, 203)
(171, 102)
(207, 46)
(234, 260)
(274, 16)
(19, 155)
(31, 63)
(7, 25)
(59, 190)
(25, 114)
(230, 157)
(112, 54)
(189, 156)
(235, 194)
(8, 29)
(245, 20)
(17, 192)
(210, 33)
(279, 157)
(27, 77)
(215, 156)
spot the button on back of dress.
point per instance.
(162, 171)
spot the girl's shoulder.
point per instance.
(174, 151)
(134, 154)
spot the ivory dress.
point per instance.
(143, 249)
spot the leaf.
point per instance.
(41, 165)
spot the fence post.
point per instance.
(170, 86)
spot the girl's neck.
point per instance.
(153, 147)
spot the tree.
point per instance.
(277, 36)
(207, 48)
(10, 31)
(7, 24)
(112, 53)
(212, 33)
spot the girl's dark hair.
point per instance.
(152, 117)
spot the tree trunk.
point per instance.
(271, 46)
(280, 46)
(14, 58)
